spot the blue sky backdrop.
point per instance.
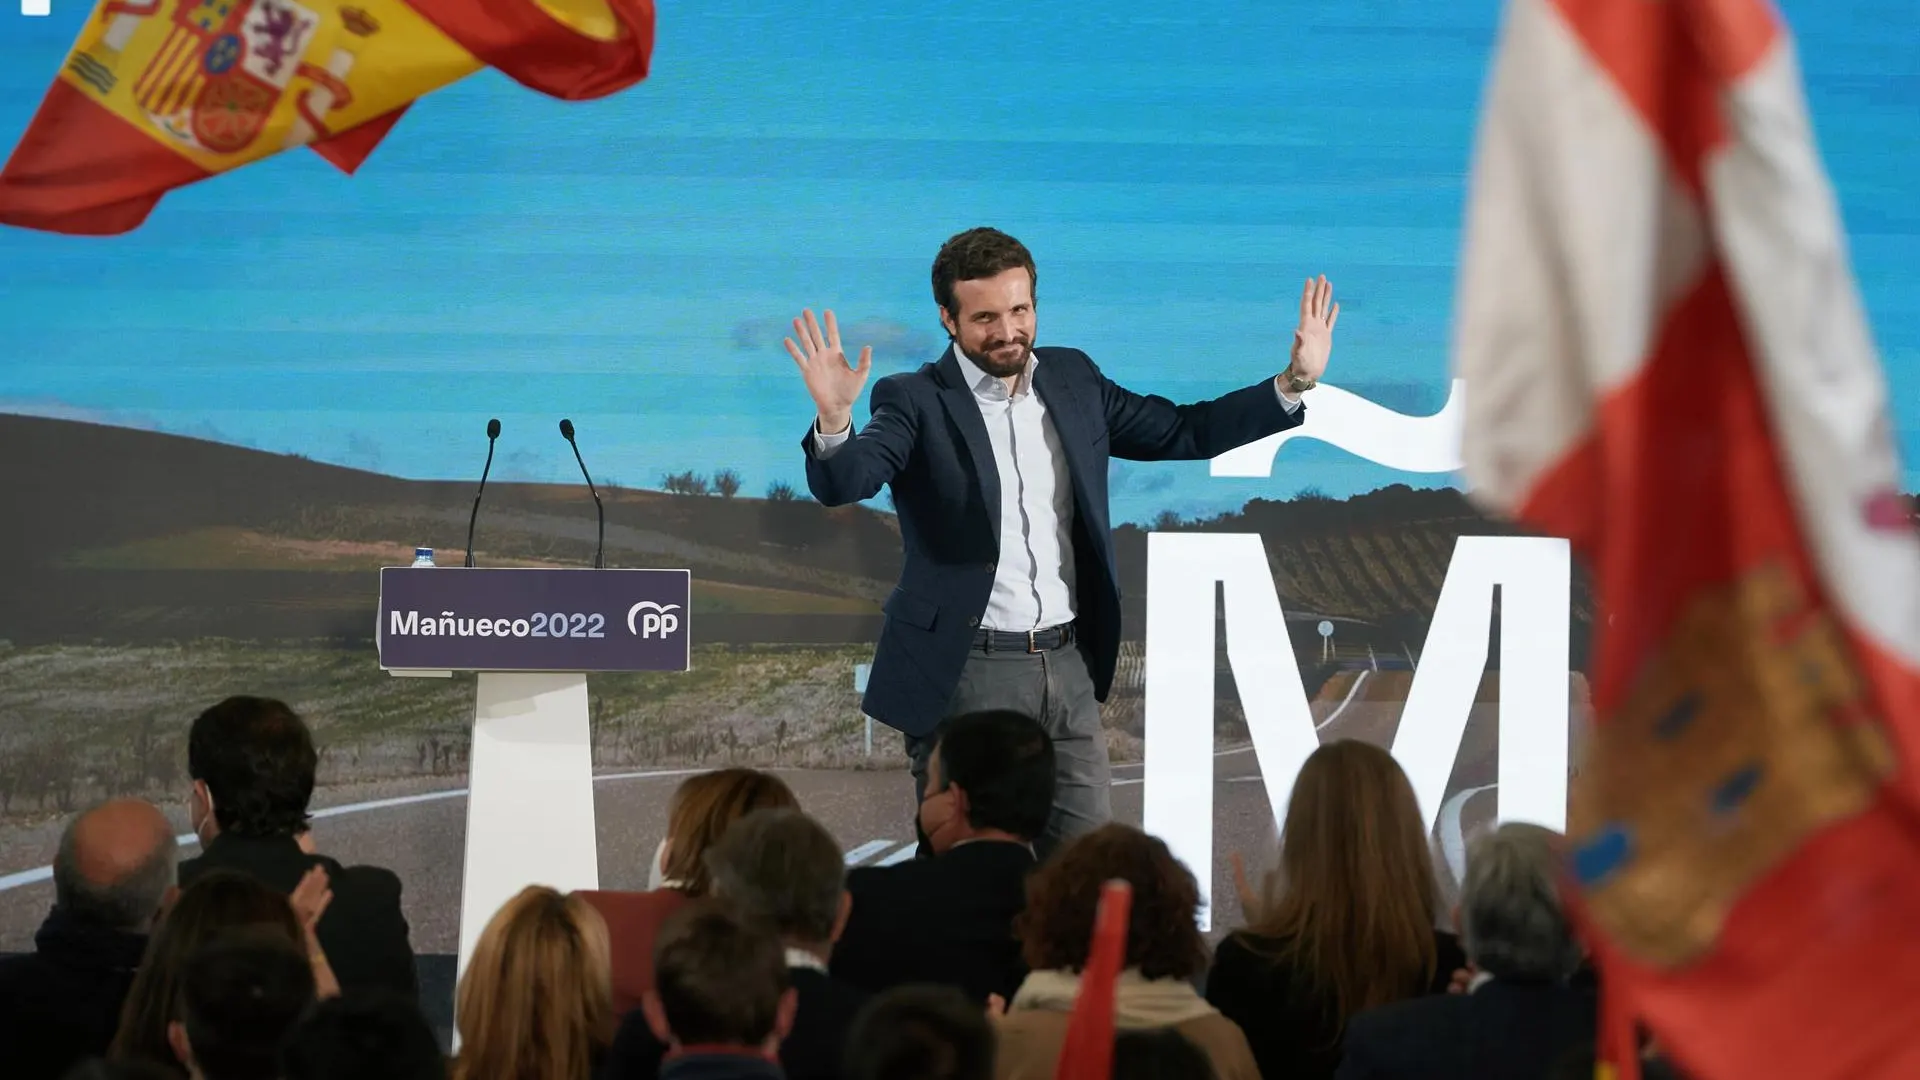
(631, 263)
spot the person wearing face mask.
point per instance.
(948, 919)
(252, 763)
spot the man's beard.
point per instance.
(999, 366)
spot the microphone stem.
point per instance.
(600, 511)
(474, 517)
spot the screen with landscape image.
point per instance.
(215, 429)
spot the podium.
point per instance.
(531, 635)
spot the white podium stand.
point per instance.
(530, 814)
(529, 794)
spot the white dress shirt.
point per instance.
(1034, 574)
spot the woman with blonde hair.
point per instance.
(535, 1002)
(1346, 922)
(701, 810)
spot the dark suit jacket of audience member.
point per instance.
(811, 1052)
(633, 923)
(1290, 1027)
(363, 931)
(1502, 1031)
(61, 1003)
(946, 920)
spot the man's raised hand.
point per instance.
(834, 384)
(1313, 337)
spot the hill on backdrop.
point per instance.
(119, 534)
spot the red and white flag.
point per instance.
(1667, 361)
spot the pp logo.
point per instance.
(648, 619)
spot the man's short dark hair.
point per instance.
(257, 758)
(781, 868)
(373, 1035)
(239, 997)
(719, 976)
(976, 254)
(920, 1033)
(1004, 762)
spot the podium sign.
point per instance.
(532, 635)
(455, 619)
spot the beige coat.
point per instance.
(1035, 1025)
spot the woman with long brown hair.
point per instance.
(702, 809)
(535, 1002)
(1347, 921)
(220, 900)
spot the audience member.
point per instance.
(701, 810)
(920, 1033)
(1159, 1054)
(949, 919)
(218, 902)
(782, 870)
(536, 1002)
(1522, 1016)
(61, 1003)
(252, 762)
(721, 1003)
(371, 1036)
(1165, 952)
(1347, 922)
(240, 997)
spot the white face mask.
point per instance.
(203, 823)
(656, 876)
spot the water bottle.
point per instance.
(422, 556)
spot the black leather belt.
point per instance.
(1028, 641)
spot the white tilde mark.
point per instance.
(1342, 418)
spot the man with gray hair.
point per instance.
(1522, 1014)
(112, 875)
(785, 871)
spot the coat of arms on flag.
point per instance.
(223, 67)
(1667, 362)
(160, 93)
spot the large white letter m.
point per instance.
(1182, 569)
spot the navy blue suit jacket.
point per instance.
(928, 442)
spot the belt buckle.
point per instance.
(1032, 645)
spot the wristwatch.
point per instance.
(1296, 382)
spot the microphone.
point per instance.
(493, 432)
(600, 547)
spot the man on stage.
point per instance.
(997, 457)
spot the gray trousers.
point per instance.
(1055, 689)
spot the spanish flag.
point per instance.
(160, 93)
(1668, 362)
